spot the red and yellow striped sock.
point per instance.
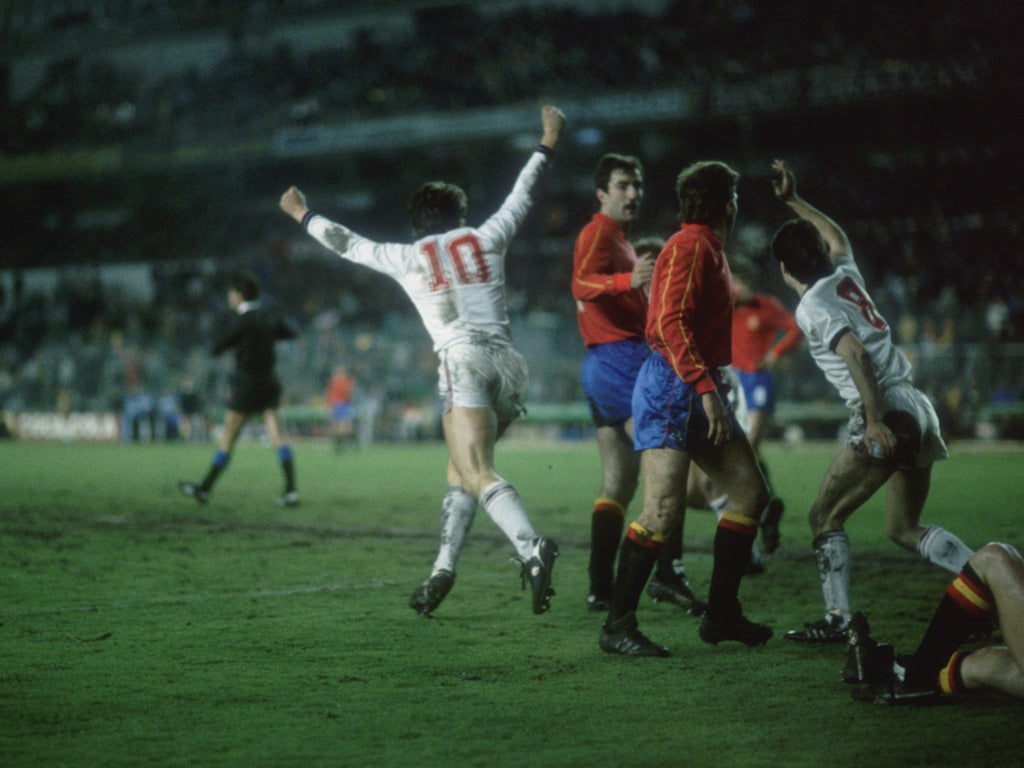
(646, 538)
(637, 556)
(951, 680)
(970, 594)
(742, 524)
(966, 607)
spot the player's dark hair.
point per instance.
(704, 190)
(246, 283)
(801, 248)
(615, 162)
(651, 244)
(437, 207)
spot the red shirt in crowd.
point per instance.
(755, 327)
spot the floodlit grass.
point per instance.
(138, 628)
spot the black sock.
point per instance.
(636, 560)
(605, 533)
(733, 542)
(967, 606)
(669, 552)
(220, 461)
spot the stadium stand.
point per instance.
(157, 135)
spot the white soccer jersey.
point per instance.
(456, 280)
(838, 304)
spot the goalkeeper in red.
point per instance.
(455, 276)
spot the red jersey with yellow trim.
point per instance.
(690, 319)
(755, 327)
(607, 308)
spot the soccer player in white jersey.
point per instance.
(455, 276)
(894, 435)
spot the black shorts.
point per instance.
(251, 394)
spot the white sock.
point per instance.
(457, 512)
(939, 546)
(719, 504)
(832, 552)
(502, 503)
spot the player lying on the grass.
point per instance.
(894, 435)
(455, 276)
(989, 588)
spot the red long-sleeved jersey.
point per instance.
(607, 308)
(755, 326)
(690, 319)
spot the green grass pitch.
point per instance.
(139, 628)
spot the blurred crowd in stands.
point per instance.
(456, 55)
(940, 271)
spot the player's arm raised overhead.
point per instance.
(553, 121)
(831, 233)
(293, 202)
(504, 223)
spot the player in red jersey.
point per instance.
(763, 330)
(681, 414)
(609, 285)
(340, 390)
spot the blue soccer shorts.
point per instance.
(669, 413)
(758, 390)
(608, 374)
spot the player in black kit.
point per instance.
(255, 388)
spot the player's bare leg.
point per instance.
(1001, 567)
(994, 668)
(732, 468)
(906, 494)
(851, 479)
(272, 422)
(757, 421)
(470, 434)
(665, 474)
(233, 423)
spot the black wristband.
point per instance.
(306, 217)
(545, 150)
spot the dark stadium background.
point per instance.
(145, 145)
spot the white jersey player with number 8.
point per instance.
(455, 276)
(894, 435)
